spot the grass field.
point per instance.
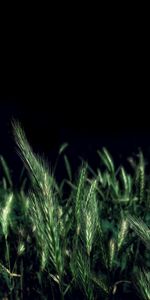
(87, 237)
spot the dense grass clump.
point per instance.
(91, 244)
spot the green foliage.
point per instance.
(142, 283)
(92, 244)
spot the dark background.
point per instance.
(87, 123)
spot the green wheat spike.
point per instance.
(91, 192)
(140, 177)
(79, 197)
(90, 217)
(82, 273)
(142, 283)
(5, 214)
(122, 232)
(43, 209)
(112, 251)
(141, 229)
(37, 168)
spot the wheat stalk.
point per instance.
(43, 207)
(80, 267)
(140, 228)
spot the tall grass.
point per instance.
(92, 245)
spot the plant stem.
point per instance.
(8, 262)
(21, 280)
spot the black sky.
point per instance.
(86, 125)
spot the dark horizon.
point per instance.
(48, 125)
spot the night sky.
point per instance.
(85, 125)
